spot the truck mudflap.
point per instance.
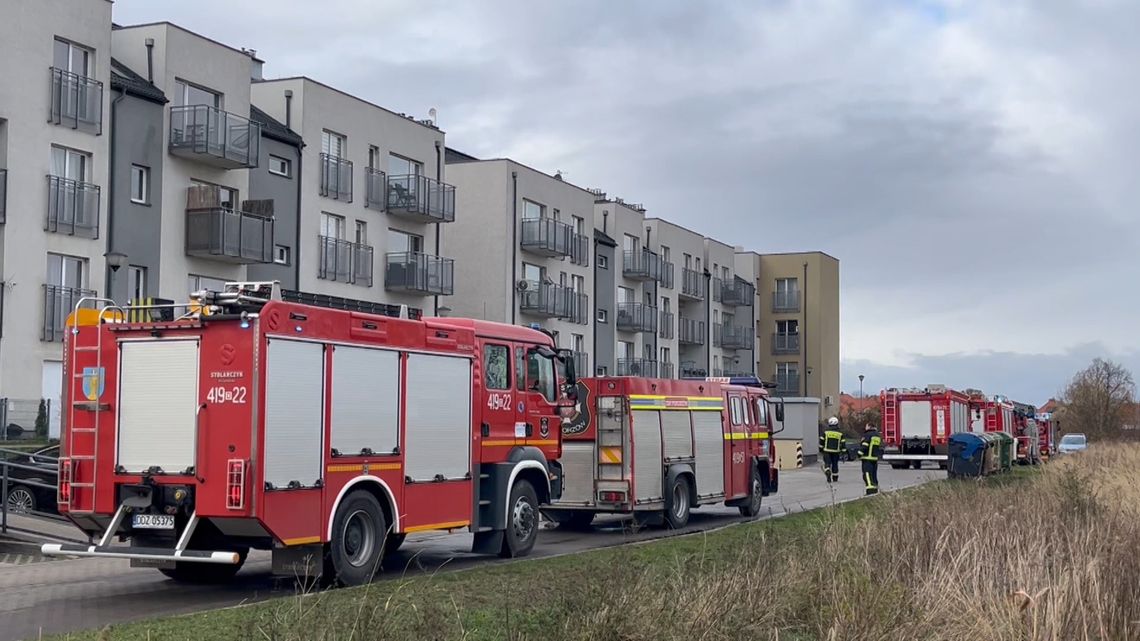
(140, 553)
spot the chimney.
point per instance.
(288, 108)
(150, 60)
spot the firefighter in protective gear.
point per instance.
(830, 444)
(870, 448)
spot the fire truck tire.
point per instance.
(205, 572)
(677, 503)
(358, 543)
(393, 542)
(522, 521)
(755, 496)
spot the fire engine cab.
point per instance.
(917, 424)
(324, 435)
(656, 448)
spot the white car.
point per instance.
(1071, 443)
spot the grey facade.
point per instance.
(605, 295)
(268, 182)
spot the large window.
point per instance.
(67, 271)
(72, 58)
(227, 196)
(532, 210)
(71, 164)
(400, 242)
(361, 232)
(333, 144)
(496, 366)
(188, 94)
(787, 286)
(332, 226)
(540, 375)
(533, 273)
(136, 282)
(400, 166)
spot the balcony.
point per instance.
(76, 101)
(547, 237)
(336, 178)
(737, 293)
(554, 301)
(645, 367)
(344, 261)
(692, 332)
(420, 273)
(692, 284)
(421, 199)
(668, 270)
(59, 302)
(785, 343)
(787, 384)
(73, 207)
(666, 326)
(375, 186)
(636, 317)
(693, 369)
(786, 302)
(735, 336)
(665, 369)
(3, 196)
(214, 137)
(641, 265)
(238, 237)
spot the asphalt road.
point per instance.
(50, 596)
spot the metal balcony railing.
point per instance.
(375, 188)
(344, 261)
(666, 325)
(421, 199)
(231, 236)
(736, 337)
(59, 302)
(785, 343)
(214, 137)
(421, 273)
(554, 301)
(787, 384)
(693, 369)
(737, 293)
(76, 101)
(3, 196)
(636, 317)
(547, 237)
(787, 301)
(73, 207)
(641, 265)
(336, 178)
(665, 369)
(667, 278)
(692, 284)
(644, 367)
(692, 332)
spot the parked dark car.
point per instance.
(26, 484)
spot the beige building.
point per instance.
(798, 330)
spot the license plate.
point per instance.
(153, 522)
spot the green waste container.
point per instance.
(1005, 450)
(991, 461)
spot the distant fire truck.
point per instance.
(917, 424)
(657, 448)
(1045, 433)
(325, 435)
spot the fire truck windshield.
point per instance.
(540, 375)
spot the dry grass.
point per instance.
(1045, 555)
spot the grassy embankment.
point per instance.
(1046, 555)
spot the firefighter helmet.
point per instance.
(833, 421)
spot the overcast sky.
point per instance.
(972, 164)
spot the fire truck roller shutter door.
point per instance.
(578, 463)
(158, 405)
(708, 437)
(916, 419)
(438, 420)
(365, 400)
(294, 412)
(647, 468)
(677, 429)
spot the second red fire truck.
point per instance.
(917, 424)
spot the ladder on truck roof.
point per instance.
(890, 417)
(251, 296)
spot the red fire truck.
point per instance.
(657, 448)
(917, 424)
(325, 435)
(1045, 433)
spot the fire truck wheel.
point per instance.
(393, 542)
(522, 521)
(357, 545)
(677, 503)
(755, 496)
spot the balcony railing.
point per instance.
(214, 137)
(547, 237)
(223, 234)
(76, 101)
(645, 367)
(665, 369)
(692, 284)
(636, 317)
(375, 188)
(692, 332)
(554, 301)
(666, 325)
(344, 261)
(785, 343)
(73, 207)
(336, 178)
(641, 265)
(737, 293)
(787, 384)
(784, 302)
(421, 199)
(421, 273)
(3, 196)
(59, 301)
(736, 337)
(693, 369)
(667, 278)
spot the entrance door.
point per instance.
(497, 426)
(51, 389)
(738, 477)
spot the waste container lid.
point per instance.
(968, 443)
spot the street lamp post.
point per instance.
(860, 386)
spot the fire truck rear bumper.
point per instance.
(141, 553)
(914, 457)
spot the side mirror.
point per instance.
(780, 412)
(566, 356)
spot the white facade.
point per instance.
(688, 300)
(55, 62)
(356, 196)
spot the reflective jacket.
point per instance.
(871, 447)
(831, 441)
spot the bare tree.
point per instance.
(1097, 400)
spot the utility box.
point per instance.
(800, 424)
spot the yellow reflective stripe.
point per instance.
(302, 540)
(438, 526)
(740, 436)
(609, 455)
(359, 467)
(529, 441)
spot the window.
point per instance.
(788, 327)
(332, 226)
(140, 184)
(187, 94)
(737, 410)
(579, 342)
(361, 232)
(227, 196)
(374, 157)
(67, 271)
(496, 367)
(281, 255)
(603, 316)
(578, 283)
(71, 57)
(626, 295)
(761, 412)
(602, 370)
(603, 262)
(665, 253)
(136, 282)
(540, 375)
(716, 364)
(665, 306)
(533, 273)
(400, 242)
(198, 283)
(625, 350)
(333, 144)
(716, 316)
(532, 210)
(631, 243)
(520, 378)
(400, 166)
(787, 286)
(280, 166)
(562, 279)
(71, 164)
(725, 276)
(688, 259)
(578, 223)
(665, 355)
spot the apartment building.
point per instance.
(372, 179)
(799, 337)
(277, 179)
(684, 331)
(747, 264)
(55, 62)
(525, 240)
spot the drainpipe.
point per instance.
(514, 242)
(150, 60)
(710, 331)
(108, 273)
(297, 182)
(438, 229)
(803, 329)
